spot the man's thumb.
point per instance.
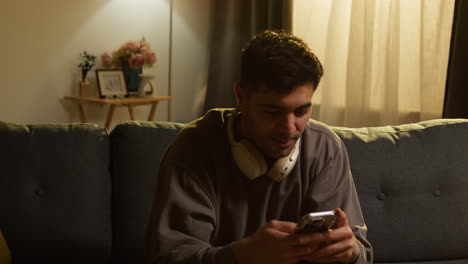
(341, 219)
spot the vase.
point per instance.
(132, 78)
(146, 85)
(83, 88)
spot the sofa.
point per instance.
(77, 193)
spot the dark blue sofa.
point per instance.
(74, 193)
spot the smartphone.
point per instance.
(315, 222)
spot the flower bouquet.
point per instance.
(132, 56)
(86, 65)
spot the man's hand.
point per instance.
(276, 242)
(273, 243)
(340, 244)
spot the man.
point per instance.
(234, 182)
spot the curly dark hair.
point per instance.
(279, 60)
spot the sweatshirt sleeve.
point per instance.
(182, 221)
(333, 187)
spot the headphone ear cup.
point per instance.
(255, 159)
(246, 156)
(248, 159)
(283, 166)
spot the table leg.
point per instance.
(109, 115)
(82, 114)
(131, 112)
(152, 111)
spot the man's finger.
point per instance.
(341, 219)
(336, 248)
(315, 238)
(282, 226)
(339, 251)
(299, 252)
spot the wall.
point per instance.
(42, 40)
(190, 57)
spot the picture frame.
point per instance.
(111, 83)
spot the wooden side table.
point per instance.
(130, 103)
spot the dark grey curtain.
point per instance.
(234, 23)
(456, 93)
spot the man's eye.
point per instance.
(301, 112)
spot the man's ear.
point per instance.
(240, 95)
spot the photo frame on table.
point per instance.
(111, 83)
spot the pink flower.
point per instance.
(136, 53)
(106, 60)
(136, 61)
(151, 58)
(149, 55)
(131, 46)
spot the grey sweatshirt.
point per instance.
(203, 202)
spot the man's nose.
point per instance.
(288, 124)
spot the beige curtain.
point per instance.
(385, 60)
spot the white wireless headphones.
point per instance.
(252, 163)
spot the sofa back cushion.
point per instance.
(55, 193)
(136, 151)
(412, 182)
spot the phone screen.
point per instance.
(315, 222)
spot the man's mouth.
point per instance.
(284, 142)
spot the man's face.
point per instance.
(274, 121)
